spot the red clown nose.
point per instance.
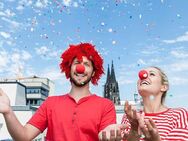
(143, 74)
(80, 68)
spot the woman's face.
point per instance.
(152, 85)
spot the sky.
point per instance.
(134, 34)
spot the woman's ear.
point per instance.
(164, 88)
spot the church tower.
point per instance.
(111, 89)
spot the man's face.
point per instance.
(81, 79)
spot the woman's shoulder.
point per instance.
(179, 110)
(182, 112)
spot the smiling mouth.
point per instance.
(80, 75)
(144, 83)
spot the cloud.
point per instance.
(3, 59)
(125, 74)
(53, 74)
(42, 50)
(152, 49)
(179, 54)
(23, 3)
(5, 34)
(178, 81)
(123, 81)
(141, 62)
(41, 3)
(179, 66)
(13, 62)
(1, 5)
(47, 52)
(103, 51)
(7, 13)
(67, 2)
(26, 55)
(12, 24)
(182, 38)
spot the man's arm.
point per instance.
(15, 128)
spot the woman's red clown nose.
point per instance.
(143, 74)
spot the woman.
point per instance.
(157, 122)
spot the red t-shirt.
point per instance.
(67, 120)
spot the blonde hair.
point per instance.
(164, 81)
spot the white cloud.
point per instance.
(13, 24)
(123, 81)
(103, 51)
(7, 13)
(47, 52)
(179, 66)
(1, 5)
(141, 62)
(125, 73)
(182, 38)
(3, 59)
(53, 74)
(41, 3)
(42, 50)
(67, 2)
(179, 54)
(20, 7)
(75, 4)
(13, 63)
(26, 55)
(5, 34)
(15, 58)
(152, 49)
(25, 2)
(178, 81)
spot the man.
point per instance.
(76, 116)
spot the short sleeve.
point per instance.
(182, 114)
(108, 116)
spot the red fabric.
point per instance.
(172, 124)
(67, 120)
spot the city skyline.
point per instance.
(134, 34)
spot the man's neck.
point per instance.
(79, 92)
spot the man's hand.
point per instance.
(4, 102)
(114, 132)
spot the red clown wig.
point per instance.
(78, 51)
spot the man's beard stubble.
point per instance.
(81, 84)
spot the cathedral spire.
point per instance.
(108, 75)
(111, 89)
(113, 77)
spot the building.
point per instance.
(37, 89)
(111, 91)
(111, 88)
(25, 95)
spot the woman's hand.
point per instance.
(132, 116)
(150, 130)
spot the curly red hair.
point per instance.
(77, 51)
